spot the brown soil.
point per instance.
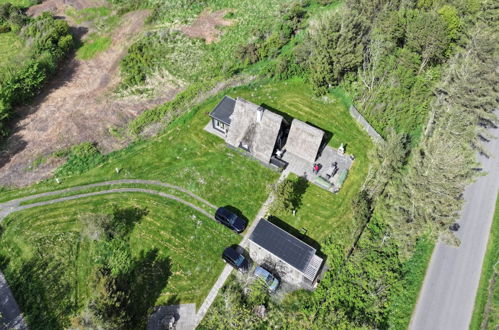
(76, 106)
(205, 26)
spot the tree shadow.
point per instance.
(300, 186)
(162, 315)
(124, 220)
(145, 282)
(43, 292)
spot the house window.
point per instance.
(221, 126)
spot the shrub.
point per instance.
(80, 158)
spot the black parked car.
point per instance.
(230, 219)
(235, 259)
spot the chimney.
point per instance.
(259, 114)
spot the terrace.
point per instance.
(328, 177)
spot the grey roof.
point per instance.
(286, 247)
(304, 140)
(224, 110)
(255, 127)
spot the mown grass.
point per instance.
(188, 156)
(488, 289)
(155, 188)
(11, 48)
(192, 241)
(322, 214)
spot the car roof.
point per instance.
(260, 271)
(231, 253)
(224, 211)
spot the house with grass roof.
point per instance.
(268, 137)
(249, 127)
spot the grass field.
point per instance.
(10, 49)
(192, 242)
(21, 3)
(92, 47)
(187, 156)
(102, 20)
(486, 309)
(191, 59)
(322, 214)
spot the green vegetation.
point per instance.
(88, 14)
(80, 158)
(487, 297)
(19, 3)
(55, 250)
(403, 300)
(21, 79)
(11, 48)
(404, 67)
(192, 59)
(92, 46)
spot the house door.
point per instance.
(220, 126)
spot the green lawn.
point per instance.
(323, 214)
(192, 242)
(486, 309)
(10, 49)
(187, 156)
(21, 3)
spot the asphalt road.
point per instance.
(11, 317)
(448, 294)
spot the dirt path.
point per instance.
(10, 314)
(76, 106)
(6, 212)
(14, 205)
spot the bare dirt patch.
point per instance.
(76, 106)
(206, 25)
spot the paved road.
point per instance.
(11, 317)
(448, 294)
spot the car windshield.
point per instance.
(239, 260)
(232, 218)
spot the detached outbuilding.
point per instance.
(304, 140)
(297, 261)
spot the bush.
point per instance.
(51, 41)
(80, 158)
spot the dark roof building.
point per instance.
(287, 248)
(224, 110)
